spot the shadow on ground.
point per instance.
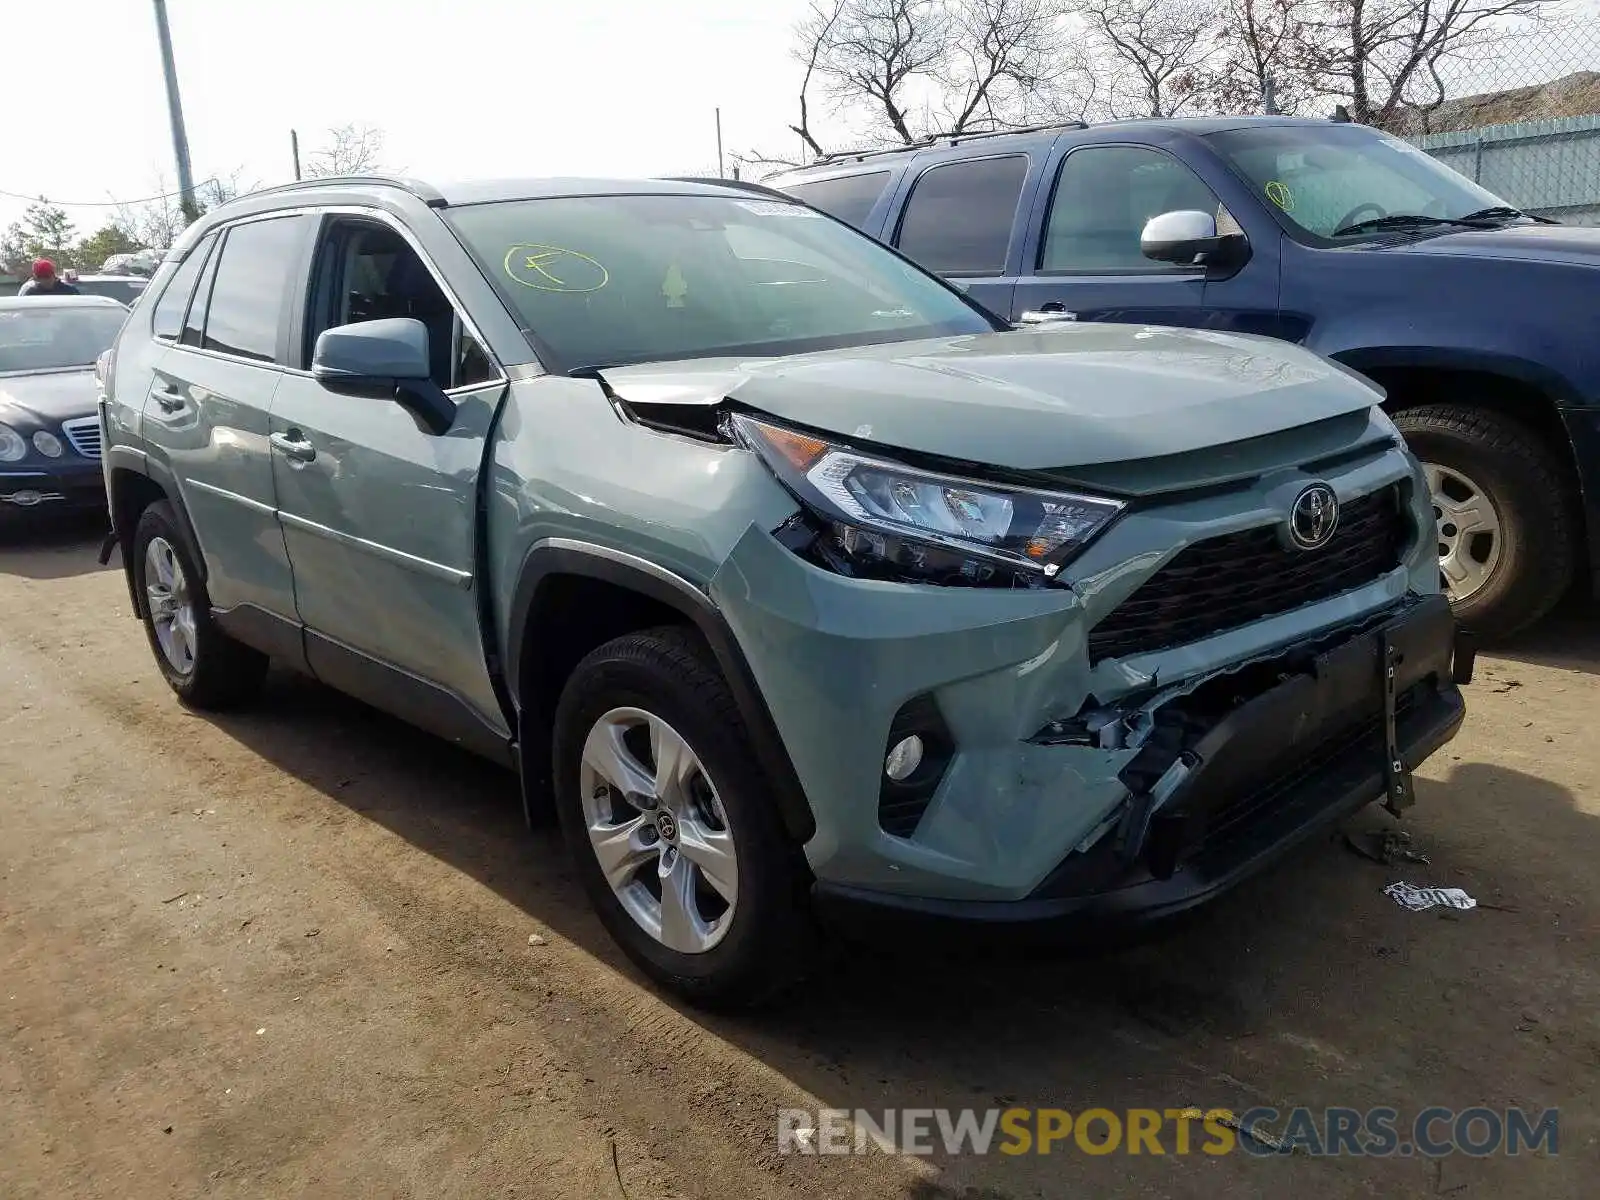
(51, 545)
(1305, 986)
(1569, 638)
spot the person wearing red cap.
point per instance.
(46, 282)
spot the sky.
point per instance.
(460, 88)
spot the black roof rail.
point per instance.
(743, 185)
(428, 194)
(934, 139)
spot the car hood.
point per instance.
(47, 397)
(1577, 245)
(1044, 399)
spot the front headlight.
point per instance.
(47, 444)
(12, 447)
(888, 519)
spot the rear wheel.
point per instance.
(671, 822)
(1504, 524)
(203, 665)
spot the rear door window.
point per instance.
(258, 266)
(848, 197)
(174, 302)
(959, 218)
(194, 325)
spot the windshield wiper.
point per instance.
(1497, 212)
(1401, 221)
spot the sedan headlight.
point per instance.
(890, 520)
(12, 447)
(47, 444)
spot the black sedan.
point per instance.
(49, 417)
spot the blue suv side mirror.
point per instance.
(387, 358)
(1190, 238)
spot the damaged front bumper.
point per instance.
(1228, 775)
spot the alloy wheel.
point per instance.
(659, 830)
(171, 606)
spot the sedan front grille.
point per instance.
(1225, 582)
(84, 434)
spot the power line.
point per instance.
(101, 203)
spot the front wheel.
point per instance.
(1505, 530)
(671, 823)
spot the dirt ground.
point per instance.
(288, 953)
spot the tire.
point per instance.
(749, 950)
(216, 672)
(1465, 448)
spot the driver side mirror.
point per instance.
(1190, 238)
(386, 359)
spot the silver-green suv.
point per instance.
(815, 597)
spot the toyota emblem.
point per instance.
(1313, 517)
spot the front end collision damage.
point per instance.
(837, 658)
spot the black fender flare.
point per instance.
(563, 556)
(121, 458)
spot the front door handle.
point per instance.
(168, 398)
(293, 445)
(1045, 314)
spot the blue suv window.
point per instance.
(1103, 197)
(848, 197)
(959, 218)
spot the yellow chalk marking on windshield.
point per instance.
(554, 269)
(1280, 195)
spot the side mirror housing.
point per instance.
(1189, 237)
(389, 359)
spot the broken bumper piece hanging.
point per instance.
(1230, 775)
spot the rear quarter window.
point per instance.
(848, 197)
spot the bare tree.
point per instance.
(350, 150)
(159, 221)
(1002, 61)
(1268, 54)
(905, 69)
(879, 51)
(1154, 52)
(1390, 58)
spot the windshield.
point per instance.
(51, 338)
(610, 280)
(1325, 179)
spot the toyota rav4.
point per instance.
(810, 593)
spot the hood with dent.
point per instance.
(47, 397)
(1035, 400)
(1573, 245)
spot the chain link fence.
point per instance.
(1523, 118)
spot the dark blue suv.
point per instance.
(1476, 319)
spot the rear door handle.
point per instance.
(293, 445)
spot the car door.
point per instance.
(1084, 255)
(380, 517)
(958, 220)
(205, 417)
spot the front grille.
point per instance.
(1229, 581)
(84, 434)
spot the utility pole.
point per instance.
(721, 174)
(294, 148)
(180, 140)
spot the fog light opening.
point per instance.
(904, 759)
